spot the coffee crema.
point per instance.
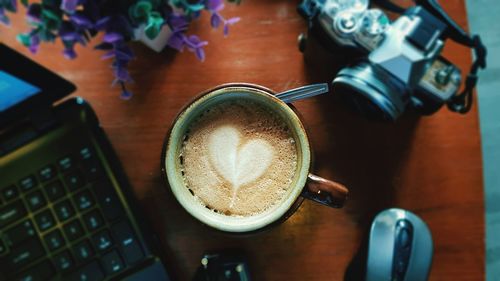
(238, 158)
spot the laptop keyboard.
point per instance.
(65, 221)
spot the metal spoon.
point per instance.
(303, 92)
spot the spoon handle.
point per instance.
(303, 92)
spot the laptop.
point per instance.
(67, 211)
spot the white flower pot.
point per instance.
(156, 44)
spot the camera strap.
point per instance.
(462, 102)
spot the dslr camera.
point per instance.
(393, 65)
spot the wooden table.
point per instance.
(429, 165)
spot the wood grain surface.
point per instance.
(429, 165)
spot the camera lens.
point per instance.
(369, 92)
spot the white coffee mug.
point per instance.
(303, 184)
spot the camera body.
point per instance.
(398, 65)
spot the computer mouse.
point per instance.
(400, 247)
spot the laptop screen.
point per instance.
(26, 87)
(14, 90)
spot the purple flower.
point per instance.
(229, 22)
(69, 53)
(34, 13)
(71, 35)
(200, 54)
(108, 55)
(68, 35)
(3, 18)
(117, 30)
(112, 37)
(176, 41)
(215, 20)
(177, 22)
(6, 5)
(126, 94)
(34, 43)
(102, 23)
(232, 21)
(81, 21)
(214, 5)
(122, 74)
(76, 21)
(194, 44)
(69, 6)
(124, 54)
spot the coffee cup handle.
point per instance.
(326, 192)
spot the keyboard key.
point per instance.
(10, 192)
(93, 220)
(83, 200)
(11, 213)
(28, 183)
(19, 233)
(54, 240)
(63, 261)
(91, 169)
(65, 163)
(127, 242)
(45, 220)
(35, 200)
(27, 252)
(41, 272)
(83, 251)
(64, 210)
(74, 180)
(86, 153)
(73, 230)
(90, 272)
(102, 240)
(108, 200)
(112, 262)
(54, 190)
(47, 173)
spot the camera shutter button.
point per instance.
(346, 23)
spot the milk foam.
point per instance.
(239, 158)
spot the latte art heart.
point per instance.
(238, 163)
(238, 158)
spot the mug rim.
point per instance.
(268, 217)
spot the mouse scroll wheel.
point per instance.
(402, 249)
(404, 232)
(404, 237)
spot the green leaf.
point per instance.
(153, 28)
(9, 6)
(188, 7)
(24, 38)
(49, 14)
(25, 3)
(141, 10)
(46, 35)
(51, 20)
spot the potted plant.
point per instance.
(155, 22)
